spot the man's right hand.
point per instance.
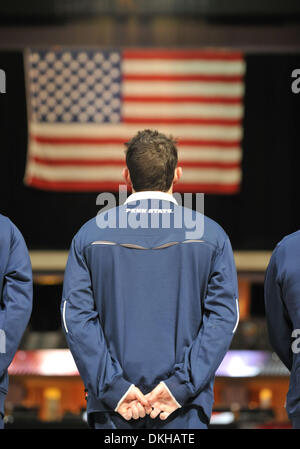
(134, 405)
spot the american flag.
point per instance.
(83, 104)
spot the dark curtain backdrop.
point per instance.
(266, 209)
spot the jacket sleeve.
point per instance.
(220, 319)
(278, 321)
(101, 373)
(16, 298)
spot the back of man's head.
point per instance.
(151, 158)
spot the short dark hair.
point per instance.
(151, 158)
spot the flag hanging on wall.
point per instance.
(83, 104)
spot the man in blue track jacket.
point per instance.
(282, 303)
(149, 309)
(15, 298)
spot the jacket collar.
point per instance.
(151, 194)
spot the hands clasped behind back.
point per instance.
(159, 402)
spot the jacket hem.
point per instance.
(96, 405)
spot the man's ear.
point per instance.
(126, 176)
(177, 174)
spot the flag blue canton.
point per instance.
(75, 86)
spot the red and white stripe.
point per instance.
(195, 96)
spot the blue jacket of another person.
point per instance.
(15, 297)
(282, 302)
(146, 299)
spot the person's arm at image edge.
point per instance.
(278, 323)
(16, 297)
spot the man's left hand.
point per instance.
(133, 405)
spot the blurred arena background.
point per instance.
(251, 383)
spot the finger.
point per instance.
(141, 398)
(164, 415)
(141, 410)
(155, 412)
(167, 408)
(148, 407)
(128, 414)
(148, 410)
(135, 412)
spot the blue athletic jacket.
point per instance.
(15, 296)
(282, 303)
(144, 301)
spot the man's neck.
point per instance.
(170, 191)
